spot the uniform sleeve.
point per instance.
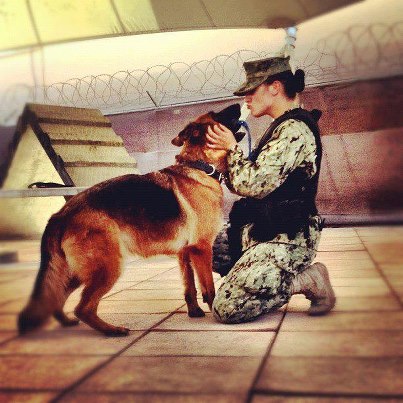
(291, 145)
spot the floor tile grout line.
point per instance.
(213, 330)
(263, 362)
(251, 330)
(155, 330)
(351, 311)
(28, 390)
(108, 361)
(341, 250)
(113, 393)
(141, 299)
(137, 283)
(9, 301)
(304, 357)
(8, 340)
(381, 273)
(340, 357)
(20, 277)
(139, 355)
(285, 393)
(142, 393)
(184, 312)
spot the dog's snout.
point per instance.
(236, 125)
(239, 136)
(229, 117)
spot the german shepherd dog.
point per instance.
(177, 210)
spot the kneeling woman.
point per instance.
(275, 228)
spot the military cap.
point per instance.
(258, 71)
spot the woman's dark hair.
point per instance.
(293, 83)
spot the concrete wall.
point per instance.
(362, 130)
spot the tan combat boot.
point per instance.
(314, 283)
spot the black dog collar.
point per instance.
(209, 169)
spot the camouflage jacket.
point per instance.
(279, 184)
(291, 146)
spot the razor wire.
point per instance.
(156, 86)
(359, 52)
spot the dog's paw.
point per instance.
(196, 313)
(208, 298)
(117, 331)
(71, 322)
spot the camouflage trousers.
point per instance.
(259, 282)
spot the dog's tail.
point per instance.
(49, 293)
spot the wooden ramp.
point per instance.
(70, 146)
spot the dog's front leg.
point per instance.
(194, 309)
(201, 258)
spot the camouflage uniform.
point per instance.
(259, 281)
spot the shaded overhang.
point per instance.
(32, 23)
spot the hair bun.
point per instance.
(299, 80)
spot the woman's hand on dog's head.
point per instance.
(219, 137)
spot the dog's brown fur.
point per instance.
(177, 210)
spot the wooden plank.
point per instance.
(40, 192)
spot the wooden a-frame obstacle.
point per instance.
(70, 146)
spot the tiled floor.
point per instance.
(353, 354)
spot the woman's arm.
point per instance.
(292, 143)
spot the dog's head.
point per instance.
(193, 136)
